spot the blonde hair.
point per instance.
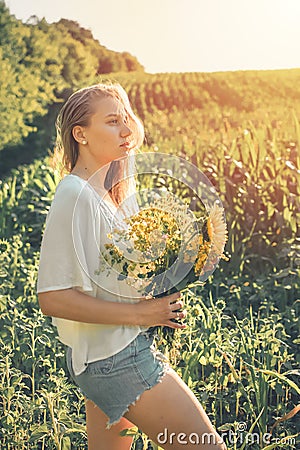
(77, 110)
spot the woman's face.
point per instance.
(108, 135)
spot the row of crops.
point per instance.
(239, 353)
(234, 95)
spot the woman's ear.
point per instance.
(79, 135)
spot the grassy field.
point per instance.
(240, 351)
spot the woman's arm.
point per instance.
(74, 305)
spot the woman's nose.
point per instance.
(126, 131)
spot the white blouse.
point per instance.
(75, 234)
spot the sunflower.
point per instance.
(217, 229)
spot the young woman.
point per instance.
(101, 320)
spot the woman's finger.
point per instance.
(175, 324)
(177, 305)
(179, 314)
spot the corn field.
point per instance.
(240, 351)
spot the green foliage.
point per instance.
(39, 62)
(25, 200)
(98, 57)
(35, 406)
(28, 80)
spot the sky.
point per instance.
(185, 35)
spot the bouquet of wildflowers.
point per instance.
(166, 247)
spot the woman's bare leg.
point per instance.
(171, 407)
(99, 438)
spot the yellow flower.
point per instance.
(217, 229)
(153, 230)
(203, 252)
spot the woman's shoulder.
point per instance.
(72, 191)
(70, 183)
(71, 187)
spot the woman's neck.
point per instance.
(93, 174)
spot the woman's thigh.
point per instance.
(170, 414)
(100, 438)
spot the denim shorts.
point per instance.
(116, 382)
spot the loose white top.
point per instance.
(75, 234)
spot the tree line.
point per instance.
(41, 63)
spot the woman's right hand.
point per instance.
(74, 305)
(160, 311)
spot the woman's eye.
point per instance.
(117, 121)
